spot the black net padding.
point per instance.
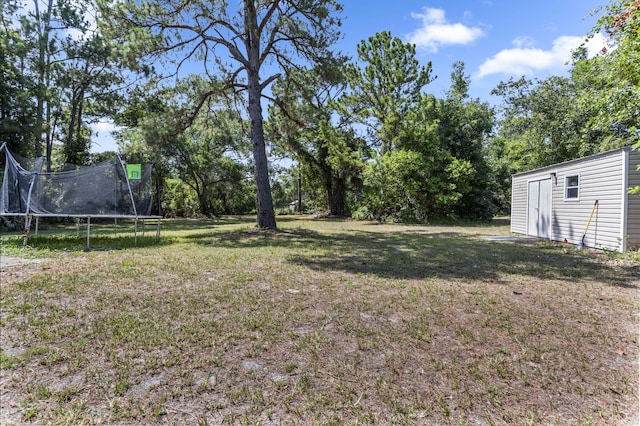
(99, 190)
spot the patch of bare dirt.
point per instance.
(16, 269)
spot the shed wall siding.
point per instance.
(633, 207)
(602, 179)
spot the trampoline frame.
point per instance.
(29, 215)
(28, 218)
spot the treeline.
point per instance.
(359, 137)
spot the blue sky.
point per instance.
(496, 39)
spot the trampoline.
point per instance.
(111, 189)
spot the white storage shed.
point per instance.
(556, 202)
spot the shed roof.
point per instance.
(565, 163)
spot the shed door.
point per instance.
(539, 210)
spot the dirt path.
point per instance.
(7, 261)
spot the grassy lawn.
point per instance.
(323, 322)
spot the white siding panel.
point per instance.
(519, 190)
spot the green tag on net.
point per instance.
(134, 171)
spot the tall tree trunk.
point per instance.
(80, 112)
(266, 214)
(299, 189)
(69, 148)
(222, 195)
(43, 71)
(335, 188)
(336, 194)
(202, 202)
(48, 141)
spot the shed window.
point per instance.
(572, 187)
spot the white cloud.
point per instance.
(436, 31)
(524, 41)
(525, 59)
(105, 126)
(103, 139)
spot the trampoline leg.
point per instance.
(36, 225)
(158, 230)
(88, 233)
(135, 232)
(25, 232)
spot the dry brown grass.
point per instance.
(324, 322)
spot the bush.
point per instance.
(178, 199)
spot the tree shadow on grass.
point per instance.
(182, 224)
(420, 255)
(412, 253)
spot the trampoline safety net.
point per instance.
(111, 188)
